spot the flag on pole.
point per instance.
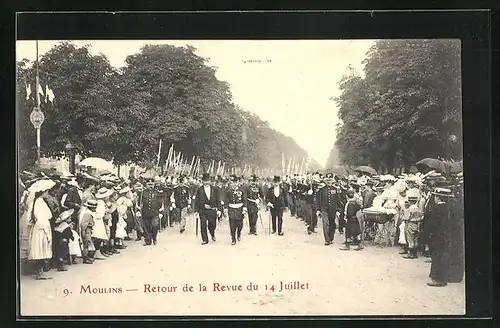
(28, 90)
(49, 94)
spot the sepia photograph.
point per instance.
(240, 177)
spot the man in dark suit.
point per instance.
(207, 205)
(276, 201)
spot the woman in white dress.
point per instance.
(40, 234)
(99, 234)
(122, 203)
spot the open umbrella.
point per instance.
(41, 185)
(366, 169)
(432, 163)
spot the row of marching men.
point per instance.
(162, 203)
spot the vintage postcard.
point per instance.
(240, 177)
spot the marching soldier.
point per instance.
(293, 194)
(328, 204)
(236, 209)
(150, 207)
(254, 197)
(168, 189)
(181, 202)
(137, 201)
(207, 206)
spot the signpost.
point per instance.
(37, 118)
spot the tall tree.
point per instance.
(405, 108)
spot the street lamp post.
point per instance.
(70, 150)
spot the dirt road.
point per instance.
(327, 281)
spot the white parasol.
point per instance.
(41, 185)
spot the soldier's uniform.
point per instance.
(181, 200)
(150, 208)
(328, 202)
(293, 194)
(236, 208)
(309, 206)
(167, 220)
(254, 195)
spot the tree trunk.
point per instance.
(118, 167)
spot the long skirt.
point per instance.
(99, 230)
(40, 245)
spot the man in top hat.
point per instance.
(150, 210)
(254, 196)
(276, 202)
(207, 206)
(181, 202)
(235, 209)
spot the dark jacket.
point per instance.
(201, 199)
(236, 196)
(278, 202)
(328, 199)
(181, 196)
(368, 197)
(151, 203)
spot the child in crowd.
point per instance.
(74, 245)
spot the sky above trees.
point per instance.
(291, 87)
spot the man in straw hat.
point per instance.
(208, 207)
(86, 218)
(412, 216)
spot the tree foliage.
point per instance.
(164, 92)
(405, 108)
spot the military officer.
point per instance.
(181, 202)
(329, 203)
(254, 196)
(235, 209)
(150, 208)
